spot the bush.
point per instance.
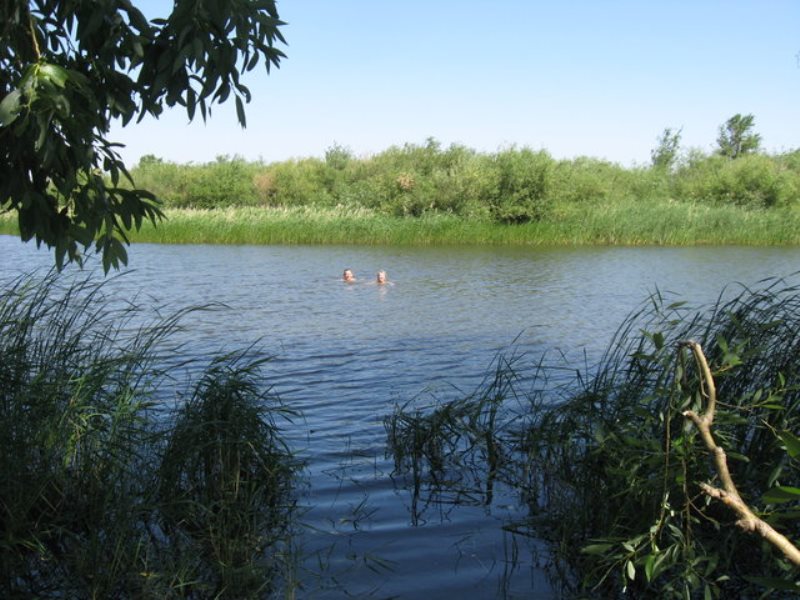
(588, 180)
(522, 181)
(168, 181)
(225, 182)
(510, 186)
(751, 181)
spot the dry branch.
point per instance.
(729, 494)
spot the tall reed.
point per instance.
(86, 452)
(621, 223)
(619, 468)
(610, 469)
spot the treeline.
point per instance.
(514, 185)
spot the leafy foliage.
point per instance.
(620, 470)
(753, 181)
(69, 68)
(665, 154)
(513, 185)
(737, 138)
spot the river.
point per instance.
(345, 354)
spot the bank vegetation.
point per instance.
(426, 194)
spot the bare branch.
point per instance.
(729, 494)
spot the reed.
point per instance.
(627, 223)
(620, 470)
(609, 468)
(95, 500)
(624, 223)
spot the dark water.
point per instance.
(344, 355)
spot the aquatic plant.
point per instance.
(611, 467)
(91, 503)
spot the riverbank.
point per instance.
(626, 223)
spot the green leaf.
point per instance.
(240, 112)
(596, 548)
(649, 563)
(630, 570)
(780, 494)
(658, 340)
(792, 443)
(54, 73)
(10, 108)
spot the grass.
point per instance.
(613, 224)
(608, 466)
(104, 494)
(625, 223)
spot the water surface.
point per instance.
(345, 355)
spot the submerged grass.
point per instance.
(104, 496)
(627, 222)
(611, 470)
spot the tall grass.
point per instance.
(621, 223)
(609, 467)
(619, 465)
(95, 500)
(631, 223)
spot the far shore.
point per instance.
(622, 224)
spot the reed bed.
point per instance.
(624, 223)
(611, 470)
(104, 493)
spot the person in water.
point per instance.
(381, 279)
(347, 276)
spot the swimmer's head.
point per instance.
(347, 275)
(381, 277)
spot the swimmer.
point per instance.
(381, 279)
(348, 277)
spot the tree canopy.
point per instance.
(736, 136)
(71, 68)
(666, 152)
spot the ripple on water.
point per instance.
(344, 355)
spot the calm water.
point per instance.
(344, 355)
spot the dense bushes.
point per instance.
(512, 185)
(754, 181)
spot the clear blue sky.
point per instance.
(590, 77)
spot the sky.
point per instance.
(598, 78)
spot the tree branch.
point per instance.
(729, 494)
(32, 29)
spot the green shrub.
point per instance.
(167, 180)
(510, 186)
(224, 182)
(588, 180)
(298, 183)
(752, 181)
(522, 180)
